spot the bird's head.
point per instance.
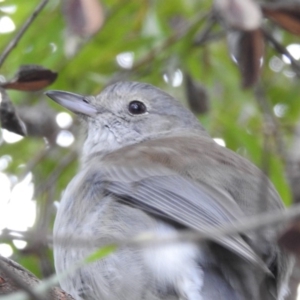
(126, 113)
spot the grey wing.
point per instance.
(164, 193)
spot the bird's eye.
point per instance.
(137, 107)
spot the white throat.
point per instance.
(100, 139)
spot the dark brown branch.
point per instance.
(9, 272)
(14, 277)
(14, 42)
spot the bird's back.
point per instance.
(192, 271)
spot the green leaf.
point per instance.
(100, 253)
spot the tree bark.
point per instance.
(10, 283)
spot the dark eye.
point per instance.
(136, 107)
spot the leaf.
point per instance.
(101, 253)
(9, 117)
(290, 239)
(247, 47)
(237, 14)
(84, 17)
(285, 15)
(30, 78)
(196, 95)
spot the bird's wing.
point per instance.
(164, 193)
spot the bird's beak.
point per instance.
(73, 102)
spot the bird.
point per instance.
(148, 166)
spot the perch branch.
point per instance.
(17, 281)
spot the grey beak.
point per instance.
(73, 102)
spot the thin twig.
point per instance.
(171, 40)
(152, 54)
(42, 225)
(241, 226)
(32, 237)
(269, 130)
(282, 50)
(210, 233)
(65, 161)
(38, 157)
(211, 37)
(271, 121)
(14, 42)
(199, 40)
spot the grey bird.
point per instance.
(149, 166)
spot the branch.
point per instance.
(16, 280)
(282, 50)
(271, 123)
(36, 159)
(210, 233)
(203, 36)
(63, 163)
(146, 239)
(244, 225)
(171, 40)
(13, 43)
(163, 45)
(14, 277)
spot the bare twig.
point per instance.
(65, 161)
(32, 237)
(152, 54)
(201, 38)
(293, 165)
(282, 50)
(171, 40)
(42, 225)
(210, 233)
(210, 37)
(38, 157)
(14, 42)
(269, 130)
(270, 121)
